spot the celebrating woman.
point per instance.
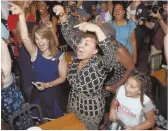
(125, 29)
(88, 69)
(48, 64)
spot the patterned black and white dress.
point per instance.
(85, 98)
(113, 77)
(118, 70)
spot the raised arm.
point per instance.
(30, 47)
(67, 29)
(103, 41)
(107, 48)
(54, 30)
(163, 24)
(110, 7)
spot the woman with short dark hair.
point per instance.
(88, 69)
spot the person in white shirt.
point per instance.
(132, 106)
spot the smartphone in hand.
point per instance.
(37, 85)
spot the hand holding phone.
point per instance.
(37, 85)
(40, 85)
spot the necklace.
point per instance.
(45, 18)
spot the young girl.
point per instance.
(132, 106)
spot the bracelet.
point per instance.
(50, 84)
(160, 19)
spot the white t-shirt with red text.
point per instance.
(129, 110)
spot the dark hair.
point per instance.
(123, 5)
(143, 81)
(50, 5)
(94, 36)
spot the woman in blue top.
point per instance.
(48, 64)
(125, 29)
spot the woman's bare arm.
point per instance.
(134, 46)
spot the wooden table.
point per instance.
(67, 122)
(160, 75)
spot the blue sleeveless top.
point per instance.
(123, 34)
(46, 70)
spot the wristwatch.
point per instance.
(50, 84)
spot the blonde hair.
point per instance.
(46, 33)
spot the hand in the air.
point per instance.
(15, 9)
(132, 17)
(86, 26)
(59, 10)
(157, 15)
(99, 20)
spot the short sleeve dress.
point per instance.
(123, 34)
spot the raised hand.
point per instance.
(48, 24)
(99, 21)
(59, 10)
(15, 9)
(157, 15)
(132, 17)
(86, 26)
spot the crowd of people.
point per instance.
(105, 38)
